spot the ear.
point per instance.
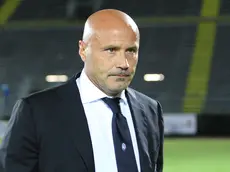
(82, 47)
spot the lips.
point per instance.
(122, 75)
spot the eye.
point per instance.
(111, 50)
(132, 50)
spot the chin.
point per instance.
(118, 89)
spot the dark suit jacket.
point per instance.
(48, 132)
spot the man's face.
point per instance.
(111, 58)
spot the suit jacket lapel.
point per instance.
(140, 124)
(78, 127)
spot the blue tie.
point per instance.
(123, 146)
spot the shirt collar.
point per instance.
(90, 93)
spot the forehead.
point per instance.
(116, 36)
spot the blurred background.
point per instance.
(183, 62)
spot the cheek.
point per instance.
(95, 60)
(101, 64)
(132, 62)
(105, 63)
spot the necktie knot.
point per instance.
(113, 103)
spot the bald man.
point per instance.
(93, 122)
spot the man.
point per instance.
(94, 122)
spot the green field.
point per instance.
(197, 155)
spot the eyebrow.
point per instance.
(134, 47)
(111, 46)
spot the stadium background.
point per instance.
(184, 43)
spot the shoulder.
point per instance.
(150, 106)
(39, 105)
(45, 97)
(143, 99)
(42, 95)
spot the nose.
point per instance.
(123, 63)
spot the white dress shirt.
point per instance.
(99, 118)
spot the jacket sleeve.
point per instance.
(19, 148)
(160, 159)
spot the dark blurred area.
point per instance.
(28, 54)
(82, 8)
(183, 40)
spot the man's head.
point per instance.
(109, 50)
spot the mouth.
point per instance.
(122, 75)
